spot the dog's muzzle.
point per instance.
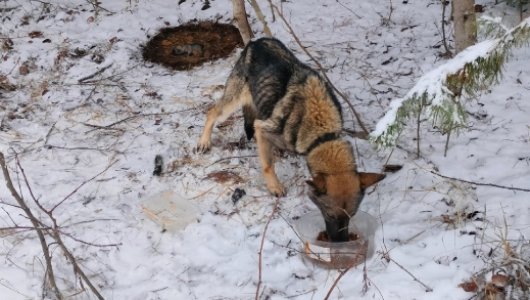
(337, 229)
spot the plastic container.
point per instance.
(339, 255)
(170, 210)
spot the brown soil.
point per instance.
(323, 236)
(192, 44)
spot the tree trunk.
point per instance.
(240, 15)
(465, 24)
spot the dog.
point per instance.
(287, 105)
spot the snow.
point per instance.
(47, 121)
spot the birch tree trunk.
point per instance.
(240, 15)
(465, 24)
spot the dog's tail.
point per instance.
(249, 114)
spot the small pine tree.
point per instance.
(441, 94)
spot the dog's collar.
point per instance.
(326, 137)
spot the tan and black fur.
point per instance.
(288, 105)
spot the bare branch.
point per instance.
(88, 243)
(482, 183)
(274, 209)
(428, 289)
(138, 115)
(54, 231)
(35, 223)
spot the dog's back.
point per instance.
(300, 106)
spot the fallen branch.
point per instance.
(482, 183)
(36, 224)
(322, 70)
(274, 209)
(55, 232)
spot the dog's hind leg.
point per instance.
(235, 95)
(266, 157)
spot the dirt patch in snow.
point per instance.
(186, 46)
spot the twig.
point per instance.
(89, 243)
(391, 10)
(322, 70)
(349, 9)
(272, 11)
(418, 136)
(35, 223)
(81, 185)
(367, 282)
(97, 6)
(302, 294)
(103, 69)
(482, 183)
(428, 289)
(231, 157)
(446, 148)
(9, 215)
(49, 134)
(341, 274)
(9, 204)
(88, 221)
(55, 234)
(138, 115)
(74, 148)
(274, 209)
(101, 127)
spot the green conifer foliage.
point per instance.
(441, 94)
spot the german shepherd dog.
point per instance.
(287, 105)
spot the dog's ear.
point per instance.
(368, 179)
(318, 184)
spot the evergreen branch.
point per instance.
(443, 91)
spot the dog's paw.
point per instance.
(276, 189)
(202, 147)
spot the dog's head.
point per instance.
(338, 197)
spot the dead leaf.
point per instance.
(224, 176)
(23, 70)
(35, 34)
(469, 286)
(499, 280)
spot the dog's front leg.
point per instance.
(266, 157)
(204, 143)
(236, 94)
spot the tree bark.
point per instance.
(465, 24)
(240, 15)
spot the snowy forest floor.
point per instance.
(435, 232)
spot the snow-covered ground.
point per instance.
(440, 231)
